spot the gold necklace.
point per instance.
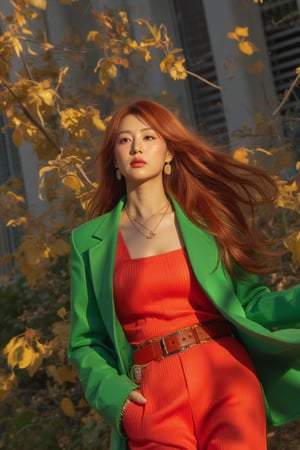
(135, 222)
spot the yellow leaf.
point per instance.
(46, 46)
(132, 44)
(263, 150)
(20, 19)
(17, 46)
(67, 406)
(298, 70)
(47, 96)
(14, 356)
(82, 403)
(45, 169)
(73, 182)
(112, 71)
(11, 345)
(16, 222)
(26, 31)
(19, 353)
(97, 121)
(40, 4)
(35, 364)
(61, 312)
(166, 64)
(232, 35)
(147, 56)
(141, 22)
(293, 187)
(293, 243)
(31, 52)
(178, 71)
(242, 155)
(242, 31)
(16, 198)
(93, 36)
(247, 47)
(44, 349)
(27, 356)
(123, 16)
(48, 184)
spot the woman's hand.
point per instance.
(135, 397)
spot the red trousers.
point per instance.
(204, 398)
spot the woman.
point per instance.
(176, 343)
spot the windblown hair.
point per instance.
(216, 192)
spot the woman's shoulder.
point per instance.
(87, 234)
(90, 226)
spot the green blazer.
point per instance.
(265, 321)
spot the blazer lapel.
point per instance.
(102, 262)
(204, 258)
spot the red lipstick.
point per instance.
(137, 162)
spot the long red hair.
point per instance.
(216, 192)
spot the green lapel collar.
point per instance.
(102, 262)
(204, 258)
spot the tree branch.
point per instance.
(286, 95)
(204, 80)
(31, 118)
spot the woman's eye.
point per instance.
(149, 138)
(124, 140)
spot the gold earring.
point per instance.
(167, 168)
(118, 174)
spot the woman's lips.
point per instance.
(137, 163)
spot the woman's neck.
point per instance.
(143, 203)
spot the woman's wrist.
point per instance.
(126, 403)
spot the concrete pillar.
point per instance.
(244, 93)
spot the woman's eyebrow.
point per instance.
(129, 131)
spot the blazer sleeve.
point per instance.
(90, 348)
(272, 309)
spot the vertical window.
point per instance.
(9, 166)
(207, 101)
(281, 22)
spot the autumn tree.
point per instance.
(45, 106)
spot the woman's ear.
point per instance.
(169, 156)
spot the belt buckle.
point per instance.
(164, 345)
(137, 373)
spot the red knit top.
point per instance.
(157, 295)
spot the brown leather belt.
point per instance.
(181, 340)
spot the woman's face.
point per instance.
(139, 153)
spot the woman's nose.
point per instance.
(137, 147)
